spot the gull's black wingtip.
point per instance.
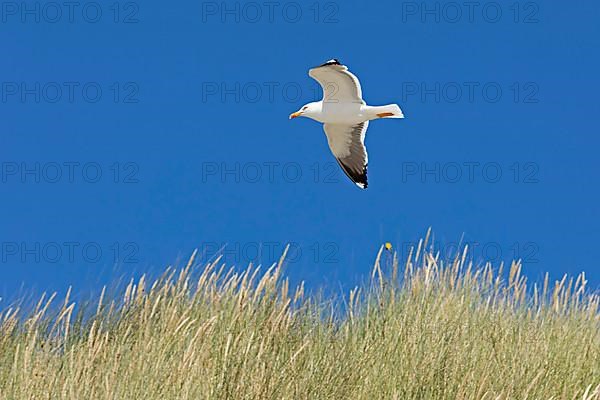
(358, 177)
(334, 61)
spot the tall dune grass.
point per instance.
(424, 329)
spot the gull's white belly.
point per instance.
(344, 113)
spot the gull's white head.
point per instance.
(310, 110)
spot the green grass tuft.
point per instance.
(425, 329)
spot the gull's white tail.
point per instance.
(389, 111)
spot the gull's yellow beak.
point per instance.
(295, 115)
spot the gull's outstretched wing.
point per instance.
(339, 85)
(347, 143)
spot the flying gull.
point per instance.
(345, 117)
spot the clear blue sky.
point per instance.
(133, 133)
